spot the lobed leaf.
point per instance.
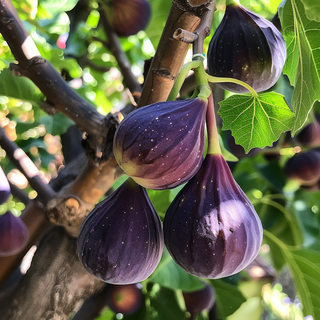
(256, 122)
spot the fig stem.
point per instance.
(241, 83)
(201, 79)
(213, 137)
(180, 79)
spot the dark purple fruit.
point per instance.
(5, 190)
(161, 145)
(200, 300)
(125, 299)
(246, 47)
(13, 234)
(128, 17)
(304, 167)
(211, 229)
(309, 136)
(120, 242)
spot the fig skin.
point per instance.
(246, 47)
(14, 234)
(5, 190)
(211, 229)
(128, 17)
(125, 299)
(309, 136)
(304, 167)
(161, 145)
(200, 300)
(120, 242)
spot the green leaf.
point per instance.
(312, 8)
(229, 298)
(304, 265)
(52, 7)
(57, 124)
(303, 58)
(168, 274)
(19, 88)
(256, 122)
(164, 305)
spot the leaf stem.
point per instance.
(241, 83)
(181, 77)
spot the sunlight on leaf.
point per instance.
(256, 122)
(303, 58)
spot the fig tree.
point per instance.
(161, 145)
(13, 234)
(246, 47)
(120, 242)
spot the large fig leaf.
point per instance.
(304, 265)
(256, 122)
(19, 88)
(303, 58)
(312, 8)
(168, 274)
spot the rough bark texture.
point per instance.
(56, 284)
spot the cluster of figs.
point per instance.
(210, 229)
(13, 231)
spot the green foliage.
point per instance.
(256, 122)
(303, 63)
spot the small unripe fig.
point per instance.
(120, 242)
(13, 234)
(5, 190)
(211, 229)
(161, 145)
(246, 47)
(200, 300)
(125, 299)
(128, 17)
(304, 167)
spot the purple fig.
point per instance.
(120, 242)
(200, 300)
(304, 167)
(128, 17)
(211, 229)
(161, 145)
(309, 136)
(13, 234)
(125, 299)
(246, 47)
(5, 190)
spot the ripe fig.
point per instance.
(120, 242)
(246, 47)
(5, 190)
(128, 17)
(211, 229)
(13, 234)
(304, 167)
(309, 136)
(161, 145)
(125, 299)
(200, 300)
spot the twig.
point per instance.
(27, 167)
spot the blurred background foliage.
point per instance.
(73, 41)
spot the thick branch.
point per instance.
(27, 167)
(171, 53)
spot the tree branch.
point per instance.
(27, 167)
(49, 81)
